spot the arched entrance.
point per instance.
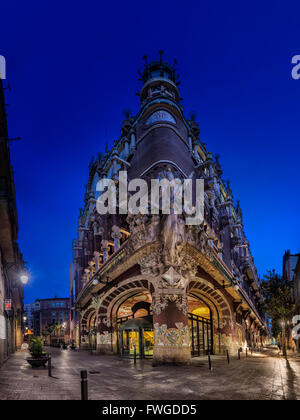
(200, 326)
(135, 326)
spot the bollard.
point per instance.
(209, 362)
(246, 352)
(134, 354)
(239, 354)
(251, 350)
(84, 385)
(49, 365)
(228, 359)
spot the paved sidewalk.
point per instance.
(263, 376)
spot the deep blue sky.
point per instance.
(73, 67)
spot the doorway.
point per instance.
(136, 338)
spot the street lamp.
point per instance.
(24, 278)
(283, 324)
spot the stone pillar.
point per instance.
(196, 155)
(190, 142)
(116, 237)
(132, 141)
(104, 335)
(84, 341)
(88, 274)
(96, 259)
(115, 168)
(171, 329)
(104, 248)
(126, 148)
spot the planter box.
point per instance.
(37, 362)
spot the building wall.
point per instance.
(11, 260)
(55, 310)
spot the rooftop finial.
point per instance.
(160, 52)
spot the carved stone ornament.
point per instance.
(188, 266)
(171, 278)
(203, 246)
(150, 264)
(104, 320)
(96, 302)
(182, 304)
(161, 302)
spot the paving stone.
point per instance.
(262, 376)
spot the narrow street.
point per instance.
(262, 376)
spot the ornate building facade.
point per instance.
(151, 284)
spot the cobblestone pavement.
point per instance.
(260, 376)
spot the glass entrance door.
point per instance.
(134, 342)
(141, 340)
(148, 343)
(129, 340)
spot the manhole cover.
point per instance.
(94, 372)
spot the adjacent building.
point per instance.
(153, 283)
(289, 264)
(11, 261)
(54, 311)
(291, 274)
(296, 289)
(31, 319)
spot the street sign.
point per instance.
(7, 304)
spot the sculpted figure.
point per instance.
(173, 233)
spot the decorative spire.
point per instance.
(159, 68)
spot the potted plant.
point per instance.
(73, 346)
(38, 355)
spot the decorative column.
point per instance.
(116, 237)
(132, 141)
(190, 142)
(126, 148)
(196, 155)
(104, 248)
(170, 321)
(104, 335)
(96, 259)
(84, 343)
(87, 274)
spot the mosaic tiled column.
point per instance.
(171, 330)
(104, 335)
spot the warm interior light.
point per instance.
(202, 311)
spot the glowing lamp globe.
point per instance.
(24, 278)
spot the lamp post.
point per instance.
(24, 280)
(283, 338)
